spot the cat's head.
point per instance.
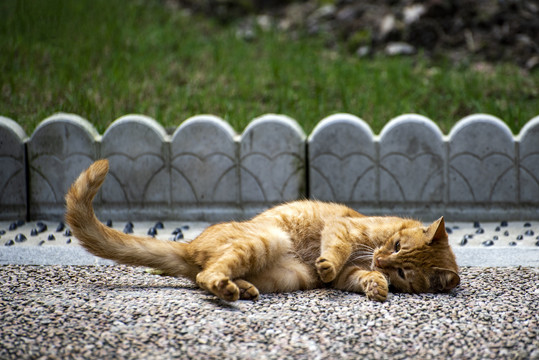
(418, 260)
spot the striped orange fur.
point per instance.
(294, 246)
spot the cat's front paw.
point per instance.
(326, 270)
(375, 286)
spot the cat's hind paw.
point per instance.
(247, 290)
(326, 270)
(375, 286)
(223, 287)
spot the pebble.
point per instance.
(68, 233)
(488, 242)
(61, 226)
(95, 311)
(33, 232)
(20, 238)
(159, 225)
(529, 233)
(109, 223)
(41, 227)
(10, 242)
(13, 226)
(2, 232)
(51, 237)
(152, 231)
(504, 223)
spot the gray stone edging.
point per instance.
(205, 171)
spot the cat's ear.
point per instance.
(436, 231)
(443, 280)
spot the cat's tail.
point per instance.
(100, 240)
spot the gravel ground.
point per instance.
(122, 312)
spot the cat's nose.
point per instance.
(377, 262)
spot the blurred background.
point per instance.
(239, 59)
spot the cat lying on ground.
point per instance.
(295, 246)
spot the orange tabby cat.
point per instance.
(299, 245)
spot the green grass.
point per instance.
(103, 59)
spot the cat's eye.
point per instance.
(401, 273)
(397, 246)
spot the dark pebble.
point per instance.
(130, 224)
(537, 243)
(504, 223)
(456, 227)
(10, 242)
(20, 238)
(68, 233)
(448, 230)
(13, 226)
(41, 243)
(488, 243)
(33, 232)
(480, 231)
(520, 237)
(527, 224)
(128, 229)
(476, 224)
(495, 237)
(152, 231)
(464, 241)
(512, 243)
(61, 226)
(159, 225)
(185, 227)
(68, 241)
(529, 233)
(2, 232)
(506, 233)
(497, 228)
(176, 231)
(109, 223)
(468, 236)
(41, 227)
(20, 222)
(178, 236)
(51, 237)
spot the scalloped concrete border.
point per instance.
(205, 171)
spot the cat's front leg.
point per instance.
(372, 283)
(335, 249)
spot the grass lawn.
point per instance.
(103, 59)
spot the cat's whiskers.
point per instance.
(365, 247)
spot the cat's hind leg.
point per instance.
(286, 274)
(249, 252)
(247, 290)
